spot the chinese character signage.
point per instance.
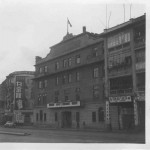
(120, 99)
(20, 92)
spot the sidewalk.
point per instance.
(133, 131)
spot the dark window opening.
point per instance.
(93, 116)
(101, 114)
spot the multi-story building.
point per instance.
(69, 83)
(18, 96)
(125, 74)
(1, 105)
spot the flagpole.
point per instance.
(67, 27)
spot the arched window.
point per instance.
(101, 114)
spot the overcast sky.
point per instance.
(29, 28)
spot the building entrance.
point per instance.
(66, 119)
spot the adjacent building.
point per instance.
(125, 74)
(69, 83)
(18, 97)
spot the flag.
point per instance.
(69, 22)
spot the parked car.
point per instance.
(10, 124)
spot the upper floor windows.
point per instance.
(40, 70)
(69, 61)
(78, 59)
(69, 78)
(119, 61)
(140, 56)
(118, 39)
(77, 76)
(56, 81)
(45, 83)
(96, 91)
(95, 52)
(64, 79)
(57, 65)
(40, 84)
(96, 72)
(45, 69)
(65, 63)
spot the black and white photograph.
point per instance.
(73, 73)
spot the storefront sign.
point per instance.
(107, 112)
(19, 92)
(118, 99)
(140, 66)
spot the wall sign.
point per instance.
(119, 99)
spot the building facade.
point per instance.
(2, 102)
(18, 97)
(69, 83)
(125, 74)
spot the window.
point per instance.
(44, 99)
(40, 84)
(77, 76)
(69, 61)
(44, 116)
(64, 79)
(40, 70)
(39, 100)
(56, 80)
(56, 118)
(95, 52)
(77, 97)
(37, 116)
(66, 98)
(45, 83)
(57, 65)
(95, 91)
(93, 116)
(95, 72)
(65, 63)
(41, 115)
(77, 59)
(69, 78)
(101, 114)
(45, 69)
(56, 99)
(77, 90)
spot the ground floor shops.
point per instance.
(24, 117)
(127, 114)
(91, 115)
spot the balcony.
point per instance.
(64, 104)
(92, 59)
(121, 92)
(139, 42)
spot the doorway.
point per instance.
(66, 119)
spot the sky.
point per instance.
(29, 28)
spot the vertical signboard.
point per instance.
(20, 92)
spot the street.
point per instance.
(69, 136)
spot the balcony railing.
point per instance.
(122, 91)
(139, 42)
(64, 104)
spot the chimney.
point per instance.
(84, 29)
(37, 58)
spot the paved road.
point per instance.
(61, 136)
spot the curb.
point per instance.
(14, 133)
